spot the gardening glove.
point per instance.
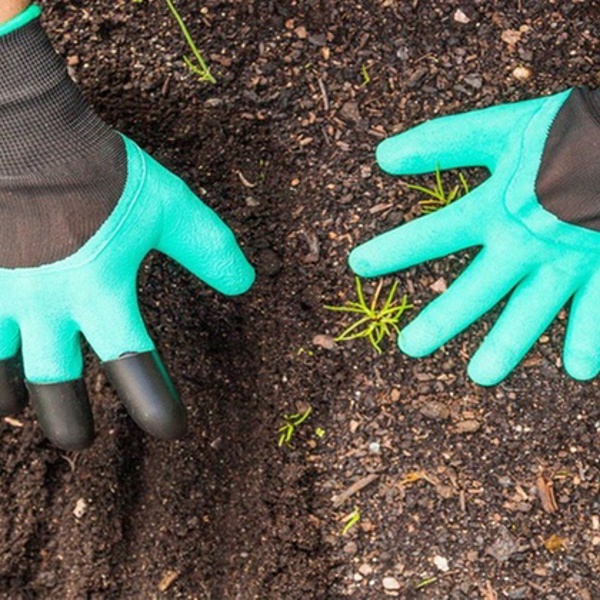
(537, 220)
(81, 206)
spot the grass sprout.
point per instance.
(286, 431)
(425, 583)
(374, 323)
(437, 197)
(351, 520)
(366, 78)
(199, 68)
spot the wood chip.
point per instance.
(380, 207)
(546, 494)
(488, 592)
(168, 579)
(356, 487)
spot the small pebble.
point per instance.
(375, 447)
(390, 583)
(460, 17)
(435, 410)
(441, 563)
(522, 73)
(324, 341)
(351, 548)
(468, 426)
(80, 508)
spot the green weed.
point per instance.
(199, 68)
(374, 323)
(286, 431)
(437, 197)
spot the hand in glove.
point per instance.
(536, 219)
(81, 206)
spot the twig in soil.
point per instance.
(377, 323)
(437, 197)
(356, 487)
(323, 93)
(351, 520)
(286, 432)
(244, 181)
(200, 68)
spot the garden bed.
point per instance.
(452, 474)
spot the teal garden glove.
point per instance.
(536, 219)
(80, 208)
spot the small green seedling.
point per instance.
(200, 67)
(438, 197)
(286, 431)
(425, 583)
(365, 75)
(375, 323)
(320, 432)
(351, 520)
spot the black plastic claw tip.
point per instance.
(148, 393)
(64, 413)
(13, 394)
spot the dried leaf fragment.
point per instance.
(554, 543)
(413, 477)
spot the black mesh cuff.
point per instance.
(62, 170)
(43, 117)
(568, 183)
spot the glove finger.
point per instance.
(13, 395)
(145, 388)
(53, 369)
(529, 311)
(64, 413)
(582, 348)
(483, 284)
(197, 238)
(471, 139)
(118, 335)
(435, 235)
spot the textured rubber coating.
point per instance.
(146, 390)
(527, 255)
(64, 413)
(13, 394)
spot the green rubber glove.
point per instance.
(536, 219)
(81, 207)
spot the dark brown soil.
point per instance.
(282, 147)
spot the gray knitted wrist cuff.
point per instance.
(43, 117)
(62, 170)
